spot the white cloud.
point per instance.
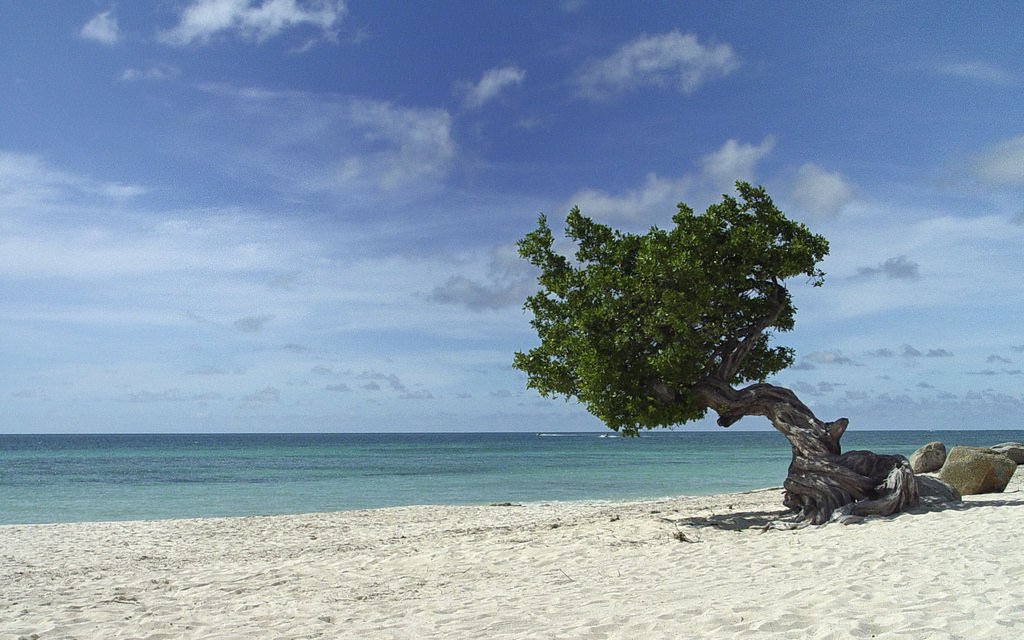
(28, 180)
(57, 224)
(492, 84)
(655, 197)
(658, 196)
(251, 20)
(418, 143)
(735, 161)
(102, 28)
(820, 193)
(98, 252)
(509, 280)
(1002, 164)
(671, 59)
(977, 71)
(356, 142)
(952, 254)
(158, 72)
(571, 6)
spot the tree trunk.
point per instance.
(823, 482)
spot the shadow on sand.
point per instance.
(765, 520)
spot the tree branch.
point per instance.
(736, 349)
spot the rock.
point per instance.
(1012, 450)
(928, 458)
(972, 470)
(932, 487)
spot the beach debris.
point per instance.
(681, 536)
(973, 470)
(1012, 450)
(928, 458)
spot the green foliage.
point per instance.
(632, 312)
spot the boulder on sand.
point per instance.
(932, 487)
(972, 470)
(1012, 450)
(928, 458)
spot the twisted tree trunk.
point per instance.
(823, 482)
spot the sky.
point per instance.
(301, 215)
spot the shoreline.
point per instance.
(595, 502)
(698, 566)
(124, 478)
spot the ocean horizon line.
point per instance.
(474, 432)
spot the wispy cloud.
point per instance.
(325, 142)
(156, 73)
(418, 142)
(507, 283)
(30, 394)
(252, 20)
(492, 84)
(102, 28)
(171, 395)
(43, 248)
(1002, 164)
(207, 370)
(977, 71)
(30, 180)
(672, 59)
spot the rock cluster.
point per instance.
(928, 458)
(977, 470)
(969, 470)
(1012, 450)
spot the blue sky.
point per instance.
(287, 215)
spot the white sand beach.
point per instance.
(699, 567)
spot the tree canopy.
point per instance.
(637, 326)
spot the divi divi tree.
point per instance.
(654, 330)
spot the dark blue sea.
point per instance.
(72, 478)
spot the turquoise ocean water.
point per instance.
(71, 478)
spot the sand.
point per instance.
(701, 567)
